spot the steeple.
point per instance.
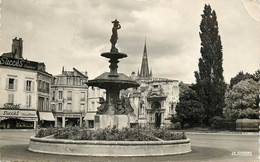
(144, 68)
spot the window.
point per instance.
(11, 83)
(53, 95)
(47, 104)
(47, 87)
(82, 107)
(11, 98)
(91, 123)
(40, 103)
(59, 106)
(74, 81)
(93, 91)
(69, 107)
(69, 97)
(172, 108)
(53, 107)
(82, 96)
(28, 100)
(142, 109)
(28, 86)
(60, 95)
(93, 106)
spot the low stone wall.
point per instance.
(109, 148)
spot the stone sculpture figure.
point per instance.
(103, 107)
(119, 108)
(114, 36)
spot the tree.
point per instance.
(209, 79)
(242, 100)
(239, 77)
(256, 75)
(189, 109)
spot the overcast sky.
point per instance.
(73, 33)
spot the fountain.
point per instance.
(112, 111)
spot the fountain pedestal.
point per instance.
(112, 82)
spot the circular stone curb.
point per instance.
(108, 148)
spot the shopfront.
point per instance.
(17, 119)
(68, 119)
(46, 119)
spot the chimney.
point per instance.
(17, 48)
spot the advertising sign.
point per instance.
(18, 63)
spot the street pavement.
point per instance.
(209, 147)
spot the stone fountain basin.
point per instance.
(50, 145)
(121, 81)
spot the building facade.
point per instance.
(69, 98)
(20, 100)
(94, 96)
(154, 102)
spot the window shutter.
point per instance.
(27, 100)
(24, 86)
(7, 83)
(30, 100)
(32, 88)
(12, 98)
(15, 84)
(9, 98)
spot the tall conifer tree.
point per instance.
(210, 81)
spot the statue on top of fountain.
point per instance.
(114, 36)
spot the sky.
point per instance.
(73, 34)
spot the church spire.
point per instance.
(144, 68)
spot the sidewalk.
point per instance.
(222, 132)
(18, 130)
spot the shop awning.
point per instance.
(47, 116)
(90, 116)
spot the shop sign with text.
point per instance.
(18, 63)
(18, 113)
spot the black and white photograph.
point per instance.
(130, 80)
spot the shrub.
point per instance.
(43, 132)
(216, 122)
(177, 125)
(186, 125)
(111, 134)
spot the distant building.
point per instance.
(155, 100)
(24, 89)
(69, 98)
(94, 95)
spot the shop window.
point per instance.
(59, 106)
(60, 95)
(11, 98)
(69, 97)
(28, 100)
(82, 96)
